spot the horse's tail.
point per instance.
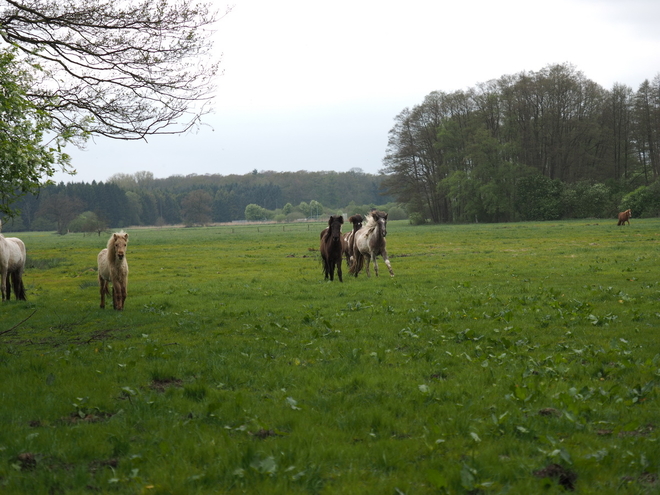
(358, 262)
(19, 288)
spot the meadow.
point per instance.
(501, 358)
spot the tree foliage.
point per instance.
(196, 207)
(140, 199)
(472, 155)
(24, 158)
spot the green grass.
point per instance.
(495, 352)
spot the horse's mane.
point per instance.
(372, 220)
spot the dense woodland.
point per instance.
(531, 146)
(140, 199)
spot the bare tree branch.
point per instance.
(122, 69)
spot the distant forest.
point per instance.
(140, 199)
(544, 145)
(539, 145)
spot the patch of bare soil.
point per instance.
(27, 461)
(162, 385)
(262, 434)
(560, 474)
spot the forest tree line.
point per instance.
(141, 200)
(531, 146)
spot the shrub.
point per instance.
(396, 213)
(539, 198)
(643, 201)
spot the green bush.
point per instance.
(588, 200)
(539, 198)
(643, 201)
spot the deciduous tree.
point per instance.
(24, 158)
(125, 69)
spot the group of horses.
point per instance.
(361, 245)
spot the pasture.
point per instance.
(501, 358)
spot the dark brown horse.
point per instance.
(349, 239)
(624, 217)
(332, 247)
(370, 243)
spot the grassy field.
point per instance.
(502, 358)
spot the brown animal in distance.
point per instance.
(625, 216)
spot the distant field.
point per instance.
(501, 358)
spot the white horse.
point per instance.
(370, 242)
(12, 263)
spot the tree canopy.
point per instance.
(468, 155)
(24, 158)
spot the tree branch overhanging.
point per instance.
(120, 69)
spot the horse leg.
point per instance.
(375, 264)
(20, 288)
(339, 270)
(104, 289)
(124, 293)
(3, 283)
(387, 262)
(116, 295)
(367, 257)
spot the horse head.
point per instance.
(334, 227)
(119, 242)
(381, 219)
(356, 220)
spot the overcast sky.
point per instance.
(310, 85)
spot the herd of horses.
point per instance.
(360, 246)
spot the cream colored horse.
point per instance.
(12, 263)
(113, 268)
